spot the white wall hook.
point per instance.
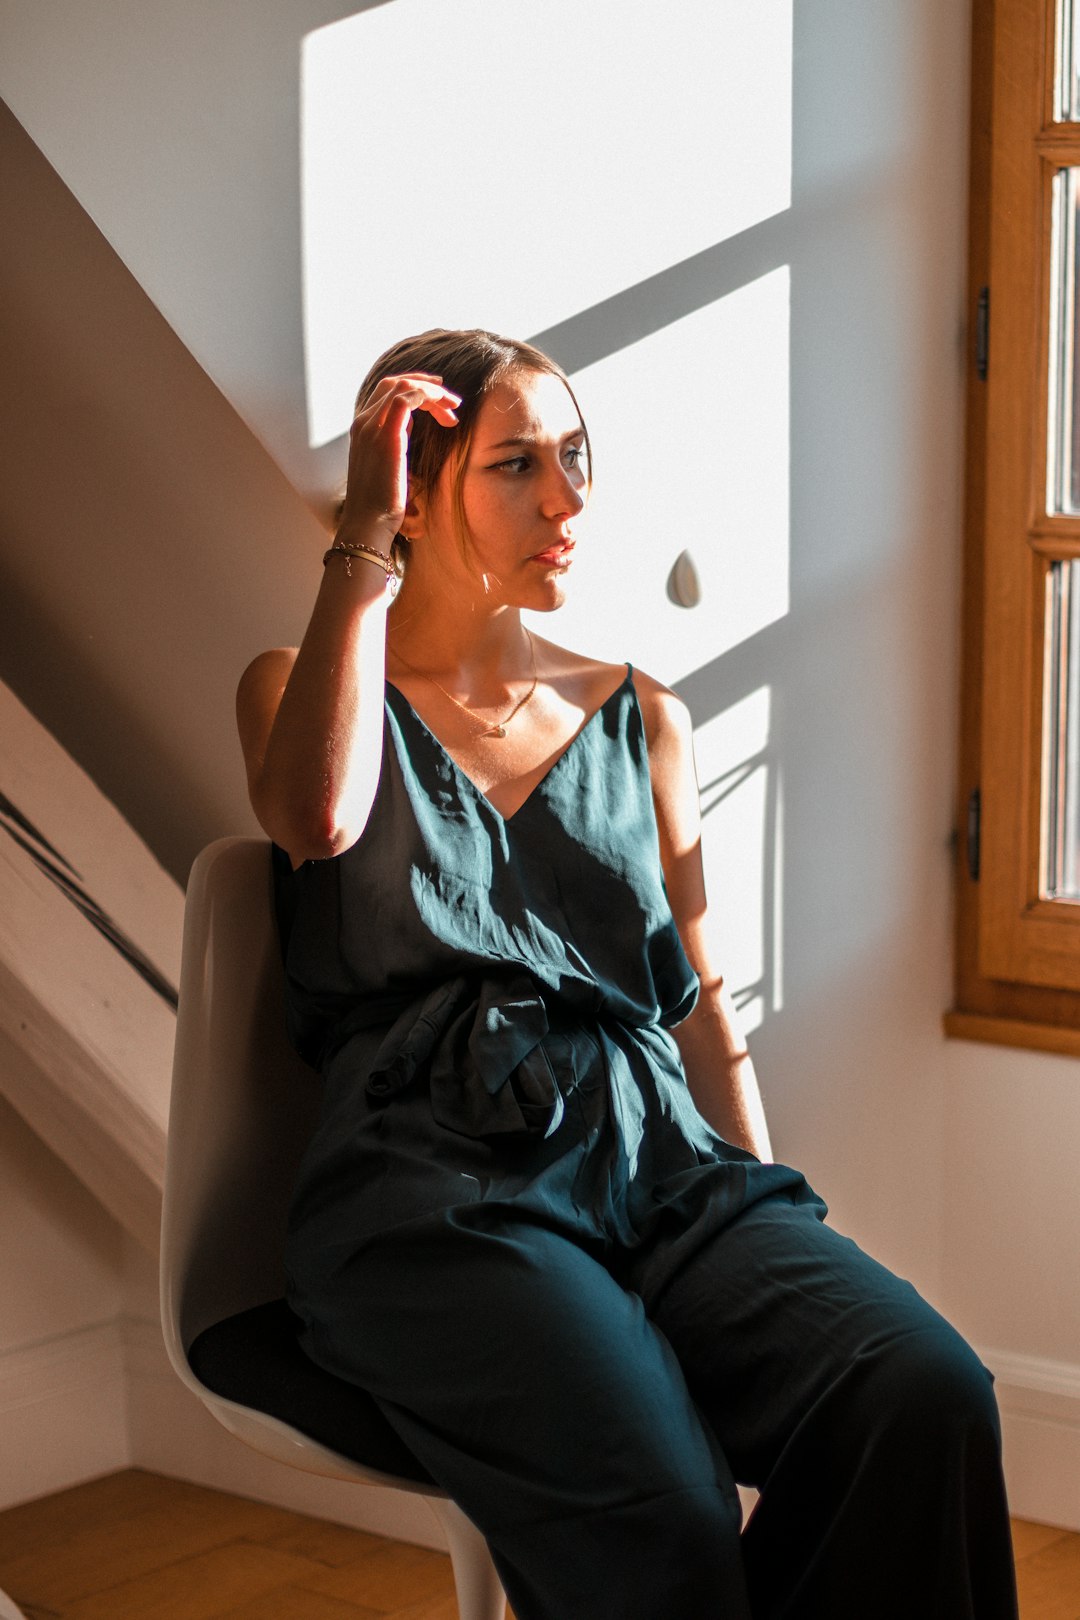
(684, 586)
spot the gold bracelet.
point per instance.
(350, 549)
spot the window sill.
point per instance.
(962, 1026)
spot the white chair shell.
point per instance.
(243, 1105)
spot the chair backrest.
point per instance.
(243, 1108)
(243, 1104)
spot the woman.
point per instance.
(538, 1219)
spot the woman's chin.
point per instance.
(542, 596)
(548, 601)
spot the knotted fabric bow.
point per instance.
(482, 1038)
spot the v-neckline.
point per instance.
(506, 821)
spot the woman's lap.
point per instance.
(520, 1345)
(535, 1389)
(771, 1310)
(569, 1403)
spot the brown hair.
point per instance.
(471, 363)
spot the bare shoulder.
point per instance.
(669, 740)
(668, 727)
(574, 676)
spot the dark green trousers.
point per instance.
(588, 1352)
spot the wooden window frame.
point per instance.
(1017, 952)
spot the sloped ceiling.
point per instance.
(149, 544)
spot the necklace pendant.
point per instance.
(495, 731)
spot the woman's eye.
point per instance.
(573, 455)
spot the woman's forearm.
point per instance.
(317, 778)
(720, 1073)
(311, 723)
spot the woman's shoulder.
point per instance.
(668, 726)
(669, 742)
(573, 677)
(664, 714)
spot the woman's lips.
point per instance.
(559, 554)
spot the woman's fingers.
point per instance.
(411, 400)
(418, 390)
(396, 420)
(379, 442)
(417, 395)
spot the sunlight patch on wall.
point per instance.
(691, 440)
(480, 164)
(742, 840)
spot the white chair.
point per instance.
(242, 1108)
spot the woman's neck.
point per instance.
(480, 646)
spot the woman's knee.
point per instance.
(927, 1382)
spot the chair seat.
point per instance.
(255, 1359)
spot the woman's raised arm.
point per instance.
(310, 719)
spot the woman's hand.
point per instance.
(378, 484)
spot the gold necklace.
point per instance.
(498, 730)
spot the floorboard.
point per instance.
(134, 1545)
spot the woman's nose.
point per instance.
(563, 492)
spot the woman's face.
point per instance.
(523, 487)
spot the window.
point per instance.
(1018, 922)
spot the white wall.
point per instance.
(952, 1162)
(62, 1393)
(1011, 1217)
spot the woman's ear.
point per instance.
(413, 517)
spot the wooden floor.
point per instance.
(134, 1546)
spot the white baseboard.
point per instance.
(62, 1412)
(1039, 1402)
(172, 1433)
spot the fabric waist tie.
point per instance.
(481, 1036)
